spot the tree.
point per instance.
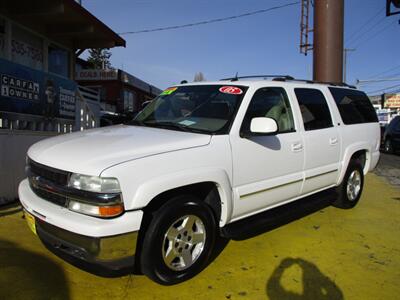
(99, 58)
(199, 77)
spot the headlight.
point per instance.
(103, 197)
(94, 184)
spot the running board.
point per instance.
(277, 217)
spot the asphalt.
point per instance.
(329, 254)
(389, 168)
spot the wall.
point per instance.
(13, 147)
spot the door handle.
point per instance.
(297, 147)
(333, 141)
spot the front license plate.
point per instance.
(30, 220)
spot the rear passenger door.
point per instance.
(321, 140)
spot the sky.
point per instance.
(266, 43)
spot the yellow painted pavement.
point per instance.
(330, 254)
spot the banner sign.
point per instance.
(29, 91)
(92, 74)
(392, 100)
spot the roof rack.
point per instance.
(290, 78)
(236, 78)
(318, 82)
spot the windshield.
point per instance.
(198, 108)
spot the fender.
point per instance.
(151, 188)
(349, 151)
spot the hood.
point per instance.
(91, 151)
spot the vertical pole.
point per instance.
(346, 50)
(344, 65)
(328, 40)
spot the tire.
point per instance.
(349, 191)
(169, 254)
(388, 146)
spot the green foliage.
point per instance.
(99, 58)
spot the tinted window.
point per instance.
(314, 109)
(273, 103)
(354, 106)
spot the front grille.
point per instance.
(51, 197)
(53, 176)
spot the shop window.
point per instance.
(129, 101)
(58, 61)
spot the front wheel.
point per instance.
(179, 240)
(349, 191)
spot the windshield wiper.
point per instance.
(178, 126)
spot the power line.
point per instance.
(368, 30)
(376, 34)
(211, 21)
(386, 71)
(387, 88)
(363, 26)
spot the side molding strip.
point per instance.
(271, 188)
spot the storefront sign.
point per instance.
(67, 102)
(392, 100)
(29, 91)
(85, 75)
(19, 88)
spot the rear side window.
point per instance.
(354, 106)
(314, 109)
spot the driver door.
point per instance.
(268, 169)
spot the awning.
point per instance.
(64, 21)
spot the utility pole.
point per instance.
(328, 40)
(345, 50)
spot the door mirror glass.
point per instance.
(263, 125)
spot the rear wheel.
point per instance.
(349, 191)
(179, 240)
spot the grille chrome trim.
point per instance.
(45, 182)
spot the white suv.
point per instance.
(156, 193)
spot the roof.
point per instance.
(64, 21)
(271, 79)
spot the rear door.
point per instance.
(322, 143)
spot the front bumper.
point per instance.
(94, 244)
(107, 256)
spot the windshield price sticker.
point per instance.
(169, 91)
(231, 90)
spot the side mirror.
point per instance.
(263, 126)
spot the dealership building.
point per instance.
(39, 43)
(119, 91)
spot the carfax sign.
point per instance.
(29, 91)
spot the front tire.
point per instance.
(349, 191)
(179, 240)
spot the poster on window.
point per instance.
(28, 91)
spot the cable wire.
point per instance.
(386, 71)
(210, 21)
(368, 30)
(387, 88)
(363, 26)
(376, 34)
